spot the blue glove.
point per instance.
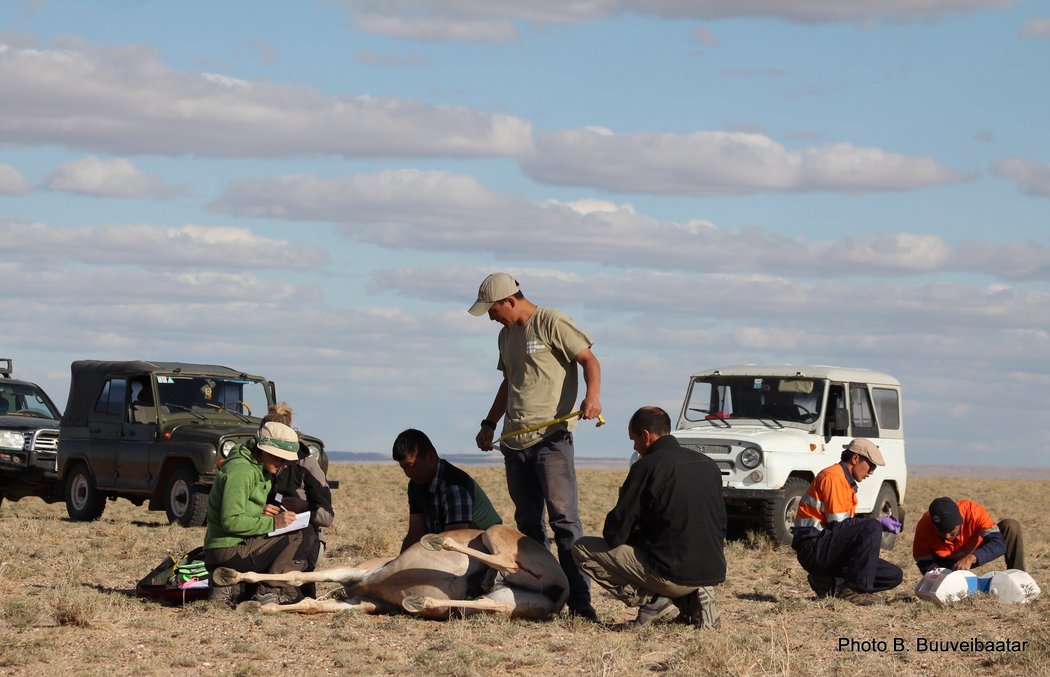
(890, 524)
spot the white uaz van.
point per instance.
(772, 428)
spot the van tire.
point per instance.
(780, 512)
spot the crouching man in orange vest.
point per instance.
(831, 543)
(962, 535)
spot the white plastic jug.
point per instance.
(944, 586)
(1013, 586)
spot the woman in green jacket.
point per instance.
(239, 518)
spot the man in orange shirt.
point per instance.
(831, 543)
(963, 535)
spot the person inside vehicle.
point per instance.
(205, 401)
(143, 408)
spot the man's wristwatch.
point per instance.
(485, 423)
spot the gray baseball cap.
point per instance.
(495, 287)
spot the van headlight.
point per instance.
(315, 451)
(227, 447)
(750, 458)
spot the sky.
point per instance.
(313, 191)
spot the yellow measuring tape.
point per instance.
(541, 426)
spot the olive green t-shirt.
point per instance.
(537, 358)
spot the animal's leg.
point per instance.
(223, 576)
(420, 605)
(307, 606)
(502, 562)
(513, 602)
(529, 604)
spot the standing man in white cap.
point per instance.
(831, 543)
(539, 349)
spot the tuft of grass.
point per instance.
(75, 607)
(23, 613)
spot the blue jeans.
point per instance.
(540, 477)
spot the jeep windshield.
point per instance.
(25, 399)
(208, 396)
(774, 400)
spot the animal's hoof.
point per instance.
(432, 541)
(414, 604)
(224, 576)
(251, 607)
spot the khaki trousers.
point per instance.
(1011, 532)
(627, 574)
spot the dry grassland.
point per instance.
(67, 604)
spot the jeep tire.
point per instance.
(83, 501)
(184, 501)
(780, 512)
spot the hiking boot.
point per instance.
(824, 586)
(856, 597)
(278, 596)
(228, 595)
(698, 609)
(656, 610)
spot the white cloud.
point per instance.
(145, 246)
(149, 294)
(124, 101)
(494, 20)
(117, 177)
(469, 20)
(391, 198)
(1032, 177)
(12, 182)
(1036, 27)
(443, 212)
(939, 321)
(718, 163)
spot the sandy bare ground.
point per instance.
(67, 604)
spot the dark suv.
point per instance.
(157, 432)
(28, 439)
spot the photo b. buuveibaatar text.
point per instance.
(931, 645)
